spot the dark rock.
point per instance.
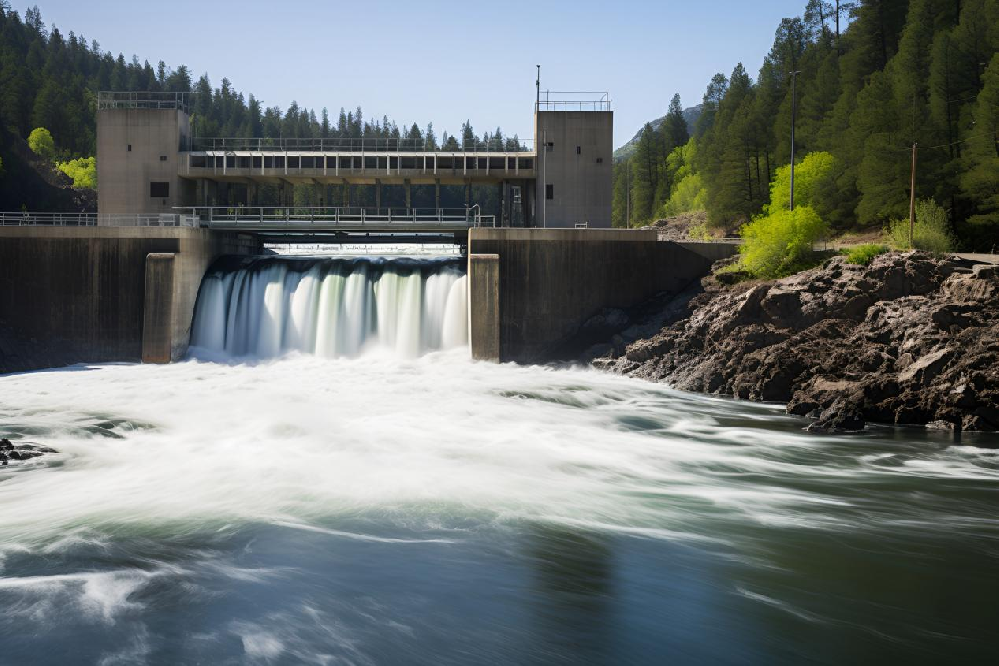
(5, 445)
(911, 338)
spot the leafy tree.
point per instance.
(41, 143)
(82, 170)
(812, 177)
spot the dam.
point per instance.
(122, 284)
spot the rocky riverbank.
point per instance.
(909, 339)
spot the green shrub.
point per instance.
(41, 143)
(780, 243)
(83, 171)
(931, 231)
(863, 254)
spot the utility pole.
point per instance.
(912, 198)
(794, 115)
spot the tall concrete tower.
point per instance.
(574, 139)
(139, 139)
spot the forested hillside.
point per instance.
(873, 78)
(50, 79)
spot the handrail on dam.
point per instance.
(356, 145)
(29, 219)
(343, 218)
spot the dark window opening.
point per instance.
(600, 160)
(158, 190)
(294, 163)
(129, 147)
(549, 191)
(550, 146)
(162, 158)
(579, 150)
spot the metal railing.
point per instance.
(574, 101)
(108, 99)
(342, 145)
(28, 219)
(330, 217)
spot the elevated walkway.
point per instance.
(355, 161)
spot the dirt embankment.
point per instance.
(910, 339)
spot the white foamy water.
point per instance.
(426, 441)
(331, 307)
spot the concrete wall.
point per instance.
(552, 280)
(124, 175)
(582, 182)
(78, 294)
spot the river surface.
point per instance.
(433, 510)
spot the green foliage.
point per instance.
(931, 231)
(82, 170)
(41, 143)
(812, 175)
(875, 77)
(780, 243)
(688, 196)
(862, 255)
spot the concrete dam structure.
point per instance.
(124, 284)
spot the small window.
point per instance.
(600, 160)
(159, 190)
(129, 147)
(550, 146)
(162, 158)
(549, 191)
(579, 150)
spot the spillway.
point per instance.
(332, 307)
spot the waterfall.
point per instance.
(331, 307)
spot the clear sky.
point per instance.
(441, 61)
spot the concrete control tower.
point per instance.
(574, 136)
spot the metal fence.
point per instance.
(342, 145)
(107, 99)
(27, 219)
(278, 216)
(573, 101)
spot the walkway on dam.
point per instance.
(356, 161)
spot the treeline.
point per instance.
(871, 78)
(51, 80)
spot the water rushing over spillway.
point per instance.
(331, 307)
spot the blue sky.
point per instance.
(442, 61)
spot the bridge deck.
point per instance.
(362, 167)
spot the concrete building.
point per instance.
(148, 164)
(575, 140)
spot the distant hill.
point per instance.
(689, 114)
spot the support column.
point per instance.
(484, 306)
(378, 193)
(437, 193)
(468, 194)
(409, 194)
(157, 308)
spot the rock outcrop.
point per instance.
(18, 452)
(909, 339)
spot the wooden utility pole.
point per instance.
(912, 198)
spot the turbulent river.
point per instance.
(401, 505)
